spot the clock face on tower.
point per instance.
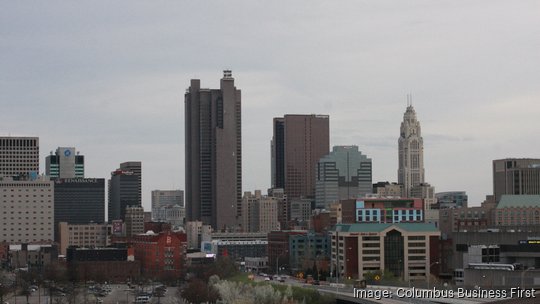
(67, 153)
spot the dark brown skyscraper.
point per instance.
(214, 154)
(298, 143)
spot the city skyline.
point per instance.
(124, 78)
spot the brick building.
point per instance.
(161, 255)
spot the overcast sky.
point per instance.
(108, 77)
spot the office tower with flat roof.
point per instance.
(259, 212)
(298, 143)
(136, 168)
(134, 219)
(164, 198)
(344, 173)
(26, 209)
(516, 176)
(411, 152)
(123, 192)
(78, 201)
(64, 163)
(19, 155)
(213, 143)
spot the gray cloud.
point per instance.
(109, 78)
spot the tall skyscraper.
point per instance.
(344, 173)
(19, 156)
(411, 152)
(64, 163)
(136, 168)
(214, 154)
(516, 176)
(78, 201)
(299, 141)
(123, 193)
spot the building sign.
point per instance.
(207, 247)
(360, 204)
(117, 226)
(529, 242)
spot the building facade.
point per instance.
(26, 210)
(214, 154)
(308, 249)
(389, 210)
(516, 176)
(411, 152)
(123, 192)
(402, 249)
(518, 211)
(300, 210)
(161, 255)
(162, 198)
(32, 256)
(386, 189)
(452, 199)
(65, 163)
(172, 214)
(134, 220)
(344, 173)
(78, 201)
(19, 156)
(135, 167)
(92, 235)
(195, 231)
(259, 212)
(298, 143)
(278, 248)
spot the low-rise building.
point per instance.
(90, 235)
(256, 264)
(30, 256)
(161, 255)
(518, 210)
(278, 248)
(103, 264)
(404, 249)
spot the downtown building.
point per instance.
(64, 163)
(259, 212)
(516, 176)
(92, 235)
(383, 234)
(298, 143)
(161, 255)
(26, 209)
(344, 173)
(78, 201)
(168, 207)
(123, 192)
(19, 156)
(411, 153)
(213, 142)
